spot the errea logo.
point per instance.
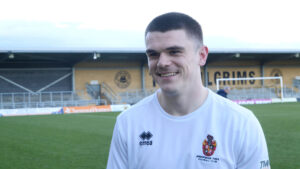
(146, 136)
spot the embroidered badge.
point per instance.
(209, 146)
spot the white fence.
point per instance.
(44, 99)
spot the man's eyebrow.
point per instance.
(175, 48)
(150, 51)
(168, 48)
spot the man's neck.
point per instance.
(183, 103)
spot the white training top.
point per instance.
(220, 135)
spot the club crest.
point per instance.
(209, 146)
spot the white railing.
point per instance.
(133, 96)
(253, 78)
(45, 99)
(250, 92)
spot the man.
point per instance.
(224, 92)
(184, 125)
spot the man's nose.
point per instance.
(164, 60)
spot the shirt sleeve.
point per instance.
(117, 158)
(253, 150)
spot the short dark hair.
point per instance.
(174, 21)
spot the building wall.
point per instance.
(149, 82)
(287, 69)
(214, 73)
(118, 79)
(126, 76)
(288, 73)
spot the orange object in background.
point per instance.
(87, 109)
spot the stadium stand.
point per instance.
(262, 93)
(108, 94)
(43, 87)
(296, 82)
(133, 96)
(44, 99)
(93, 90)
(252, 93)
(8, 87)
(30, 77)
(35, 79)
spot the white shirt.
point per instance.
(220, 134)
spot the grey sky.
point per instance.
(119, 24)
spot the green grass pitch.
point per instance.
(81, 141)
(281, 125)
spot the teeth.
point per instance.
(168, 74)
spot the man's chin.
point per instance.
(169, 91)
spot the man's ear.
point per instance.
(203, 55)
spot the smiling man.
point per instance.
(184, 125)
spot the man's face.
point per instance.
(174, 60)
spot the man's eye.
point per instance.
(174, 52)
(153, 54)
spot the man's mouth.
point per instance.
(167, 74)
